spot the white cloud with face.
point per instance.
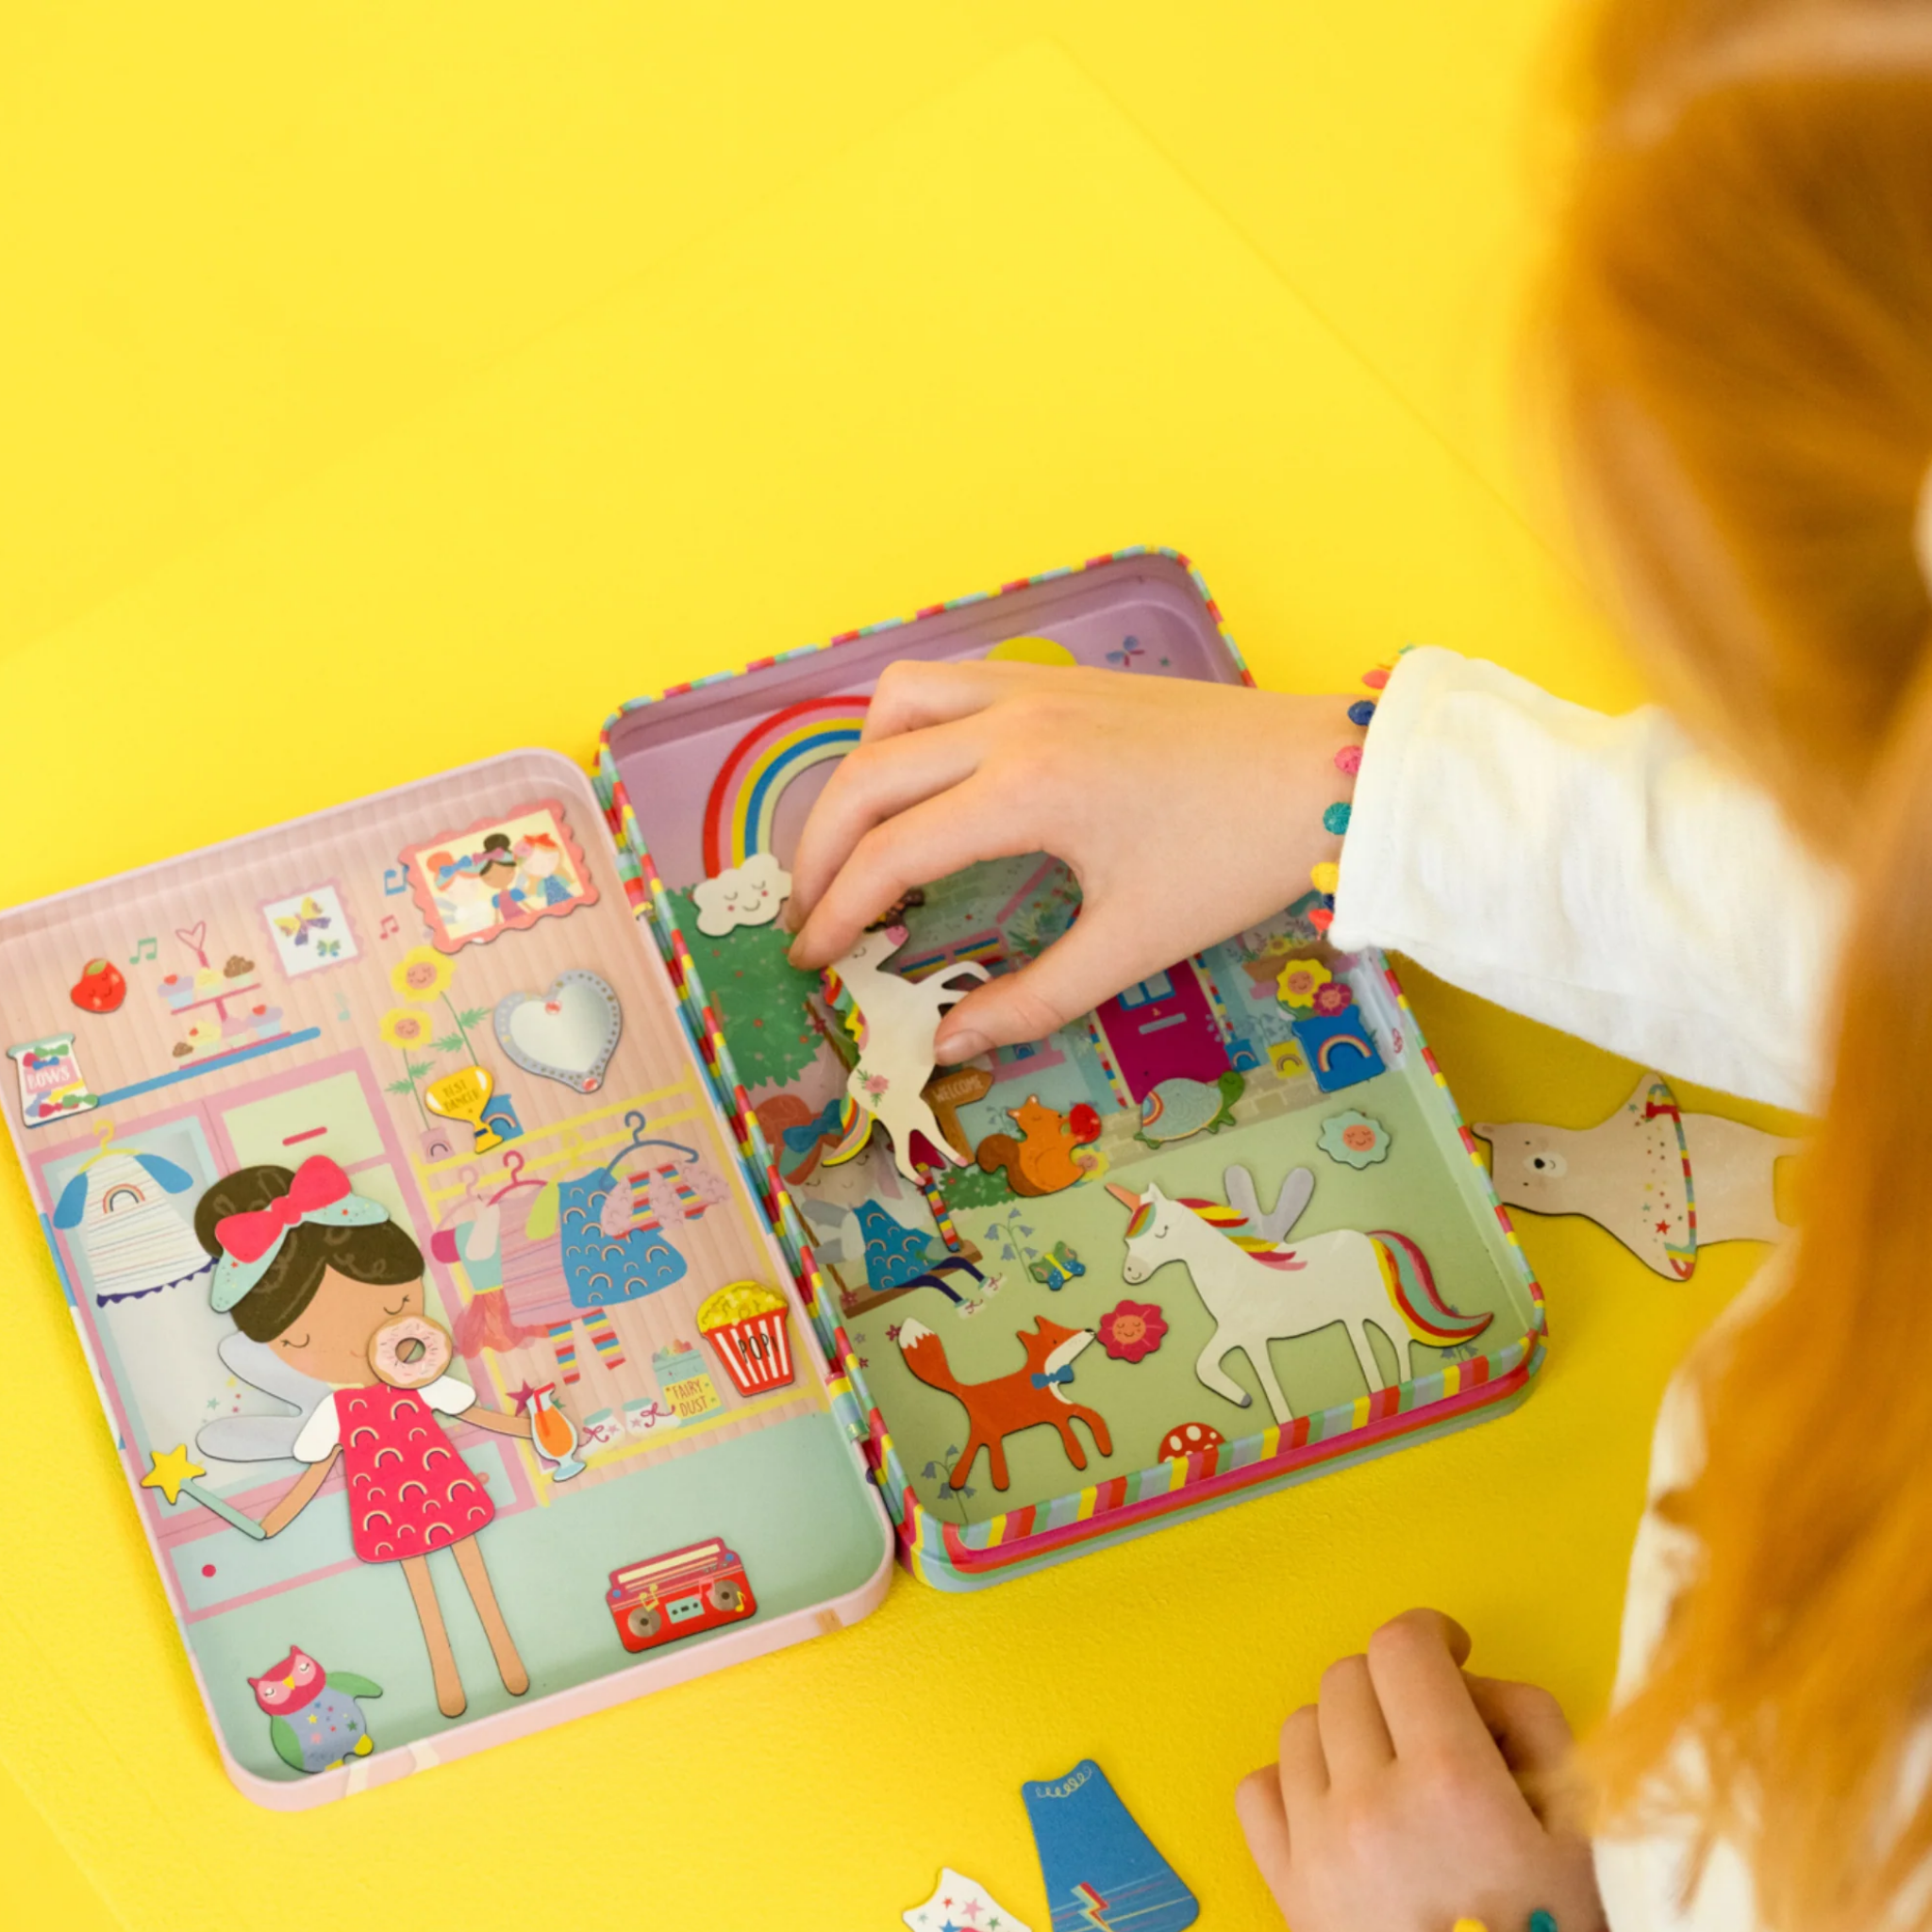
(747, 894)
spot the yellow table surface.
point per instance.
(383, 388)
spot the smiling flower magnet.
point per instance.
(1356, 1139)
(566, 1033)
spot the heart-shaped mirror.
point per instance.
(566, 1033)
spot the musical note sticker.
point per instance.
(395, 878)
(144, 949)
(390, 925)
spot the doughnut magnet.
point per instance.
(410, 1352)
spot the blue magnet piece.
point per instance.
(1101, 1869)
(1337, 1047)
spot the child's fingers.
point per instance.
(1303, 1769)
(1099, 952)
(1527, 1723)
(1415, 1663)
(912, 695)
(926, 841)
(1355, 1734)
(1264, 1822)
(869, 787)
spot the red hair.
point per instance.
(1740, 320)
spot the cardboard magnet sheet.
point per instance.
(550, 1223)
(1277, 1176)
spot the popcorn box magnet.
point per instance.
(646, 1239)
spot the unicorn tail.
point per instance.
(1412, 1289)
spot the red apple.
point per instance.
(100, 988)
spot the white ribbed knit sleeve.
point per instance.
(1601, 874)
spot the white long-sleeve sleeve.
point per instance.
(1604, 876)
(1601, 874)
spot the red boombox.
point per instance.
(678, 1595)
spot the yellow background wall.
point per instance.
(383, 387)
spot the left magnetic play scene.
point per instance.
(457, 1375)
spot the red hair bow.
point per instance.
(318, 1183)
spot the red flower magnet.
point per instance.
(100, 987)
(1132, 1330)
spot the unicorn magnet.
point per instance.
(1260, 1290)
(897, 1023)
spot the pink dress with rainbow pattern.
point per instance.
(409, 1491)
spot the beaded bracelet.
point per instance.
(1348, 761)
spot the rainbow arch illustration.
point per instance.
(1337, 1047)
(743, 803)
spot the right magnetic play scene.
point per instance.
(1223, 1229)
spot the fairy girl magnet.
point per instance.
(323, 1276)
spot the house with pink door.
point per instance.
(1162, 1029)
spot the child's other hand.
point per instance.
(1186, 810)
(1410, 1797)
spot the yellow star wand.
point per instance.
(172, 1471)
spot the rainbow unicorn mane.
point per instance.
(1227, 1221)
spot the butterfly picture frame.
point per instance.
(311, 930)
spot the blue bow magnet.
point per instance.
(1064, 1373)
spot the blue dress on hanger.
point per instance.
(599, 1270)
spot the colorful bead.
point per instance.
(1541, 1921)
(1328, 876)
(1470, 1925)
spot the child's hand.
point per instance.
(1186, 810)
(1400, 1804)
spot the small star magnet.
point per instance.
(170, 1472)
(962, 1904)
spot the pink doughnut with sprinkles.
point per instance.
(410, 1353)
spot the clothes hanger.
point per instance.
(635, 1122)
(513, 1164)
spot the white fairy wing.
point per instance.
(260, 1438)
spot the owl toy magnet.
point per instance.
(314, 1720)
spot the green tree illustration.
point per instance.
(759, 998)
(968, 1187)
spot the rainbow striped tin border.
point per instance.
(952, 1556)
